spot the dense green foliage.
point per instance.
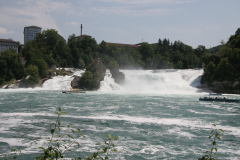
(162, 55)
(11, 66)
(225, 64)
(49, 49)
(91, 78)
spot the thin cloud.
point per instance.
(144, 2)
(5, 31)
(128, 11)
(73, 23)
(33, 13)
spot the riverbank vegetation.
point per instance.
(223, 67)
(50, 50)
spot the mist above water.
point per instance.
(166, 81)
(156, 81)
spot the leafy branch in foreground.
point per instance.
(214, 137)
(14, 153)
(62, 142)
(104, 149)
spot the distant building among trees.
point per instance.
(30, 33)
(6, 44)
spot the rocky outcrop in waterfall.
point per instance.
(118, 76)
(74, 82)
(223, 87)
(91, 78)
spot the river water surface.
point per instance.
(156, 115)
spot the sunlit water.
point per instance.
(156, 115)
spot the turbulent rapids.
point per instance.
(156, 114)
(141, 81)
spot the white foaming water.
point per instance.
(156, 81)
(61, 82)
(165, 81)
(108, 84)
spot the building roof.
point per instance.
(33, 27)
(84, 35)
(123, 45)
(8, 40)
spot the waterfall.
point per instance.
(61, 82)
(140, 81)
(156, 81)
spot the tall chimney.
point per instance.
(81, 29)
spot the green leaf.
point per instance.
(95, 155)
(62, 113)
(59, 128)
(98, 144)
(109, 136)
(212, 131)
(216, 149)
(114, 150)
(59, 109)
(52, 131)
(221, 130)
(214, 125)
(41, 148)
(78, 130)
(105, 149)
(115, 138)
(214, 143)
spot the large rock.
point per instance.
(119, 77)
(223, 87)
(74, 82)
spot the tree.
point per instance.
(11, 66)
(3, 73)
(199, 51)
(81, 64)
(146, 50)
(86, 81)
(42, 67)
(32, 70)
(74, 51)
(225, 70)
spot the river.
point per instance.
(156, 115)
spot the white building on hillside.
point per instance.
(6, 44)
(30, 33)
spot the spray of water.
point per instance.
(140, 81)
(156, 81)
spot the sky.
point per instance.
(194, 22)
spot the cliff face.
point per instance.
(223, 87)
